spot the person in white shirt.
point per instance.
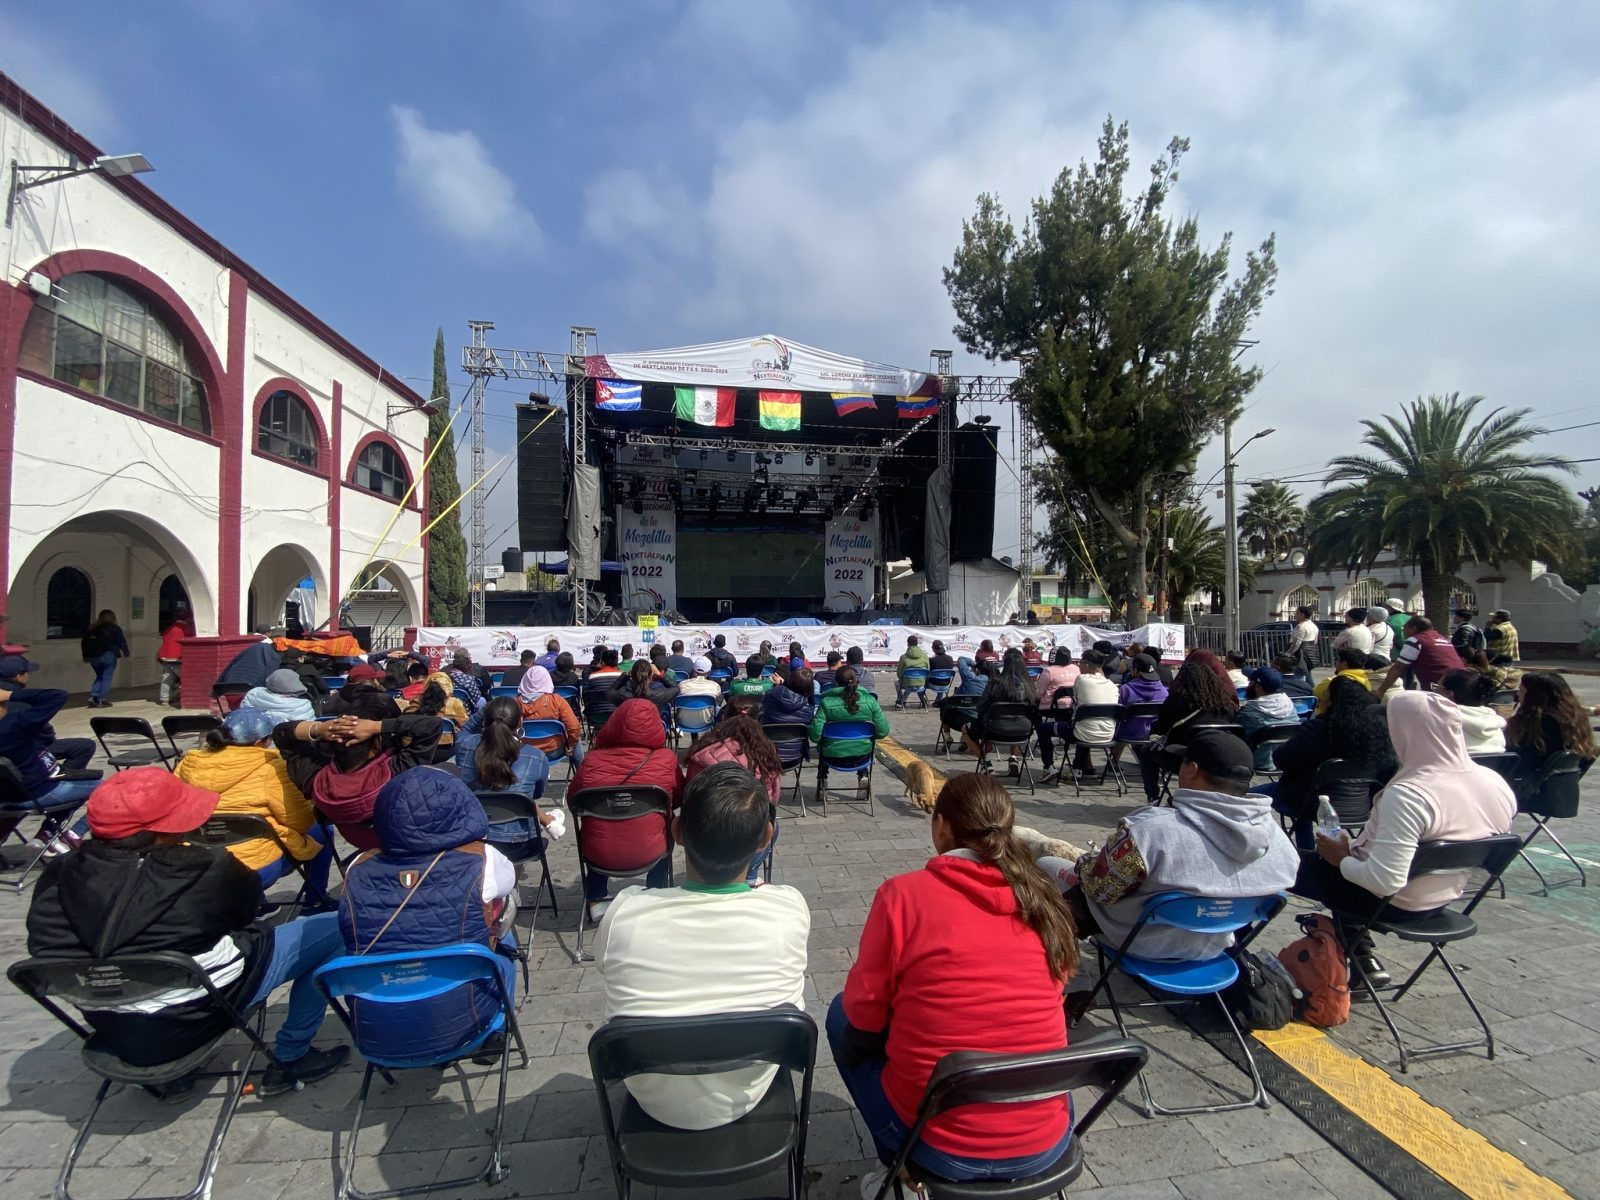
(711, 945)
(1303, 638)
(1356, 635)
(1092, 688)
(1382, 634)
(697, 684)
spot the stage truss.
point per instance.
(564, 374)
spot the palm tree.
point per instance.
(1444, 488)
(1195, 560)
(1272, 520)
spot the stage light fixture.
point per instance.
(778, 459)
(704, 455)
(832, 460)
(730, 455)
(811, 460)
(983, 420)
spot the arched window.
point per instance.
(1367, 593)
(380, 469)
(1303, 596)
(287, 429)
(100, 336)
(69, 598)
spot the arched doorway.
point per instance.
(288, 588)
(123, 561)
(383, 598)
(1365, 593)
(1304, 595)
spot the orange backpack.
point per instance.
(1317, 964)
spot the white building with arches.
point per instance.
(176, 432)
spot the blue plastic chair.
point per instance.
(1189, 981)
(721, 676)
(913, 679)
(497, 692)
(1035, 671)
(570, 694)
(791, 741)
(406, 977)
(940, 682)
(839, 731)
(333, 682)
(1304, 705)
(693, 714)
(533, 731)
(496, 678)
(767, 670)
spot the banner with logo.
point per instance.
(849, 563)
(762, 362)
(879, 643)
(647, 545)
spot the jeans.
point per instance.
(864, 1082)
(846, 760)
(316, 869)
(171, 677)
(901, 693)
(105, 666)
(68, 791)
(299, 948)
(760, 859)
(72, 753)
(1048, 729)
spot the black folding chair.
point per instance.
(1491, 855)
(968, 1077)
(227, 696)
(130, 742)
(617, 804)
(224, 829)
(597, 708)
(1552, 795)
(16, 806)
(191, 727)
(1349, 786)
(947, 736)
(100, 983)
(499, 808)
(790, 739)
(1007, 726)
(1081, 740)
(1269, 738)
(770, 1137)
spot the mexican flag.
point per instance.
(780, 410)
(704, 405)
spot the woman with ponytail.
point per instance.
(491, 757)
(972, 952)
(845, 701)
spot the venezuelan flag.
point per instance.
(780, 410)
(914, 408)
(845, 403)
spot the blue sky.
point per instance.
(679, 172)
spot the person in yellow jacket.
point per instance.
(240, 764)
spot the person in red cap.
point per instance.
(137, 886)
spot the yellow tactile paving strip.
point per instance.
(1462, 1157)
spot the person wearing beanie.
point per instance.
(1382, 634)
(283, 697)
(138, 886)
(433, 881)
(239, 764)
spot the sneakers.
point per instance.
(1014, 766)
(873, 1180)
(597, 909)
(1374, 970)
(310, 1067)
(55, 847)
(1053, 775)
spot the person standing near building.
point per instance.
(170, 656)
(1466, 637)
(1382, 635)
(1397, 618)
(1303, 639)
(1355, 635)
(1424, 659)
(1501, 636)
(102, 646)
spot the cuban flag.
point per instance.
(615, 396)
(914, 408)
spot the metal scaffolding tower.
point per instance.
(480, 363)
(1025, 504)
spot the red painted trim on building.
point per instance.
(335, 494)
(137, 414)
(355, 455)
(230, 484)
(427, 514)
(282, 383)
(31, 112)
(13, 310)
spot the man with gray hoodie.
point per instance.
(1265, 705)
(1217, 840)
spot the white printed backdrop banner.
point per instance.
(880, 643)
(648, 551)
(850, 556)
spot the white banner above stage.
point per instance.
(762, 362)
(849, 564)
(647, 546)
(880, 643)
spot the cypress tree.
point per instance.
(447, 548)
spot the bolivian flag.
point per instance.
(780, 410)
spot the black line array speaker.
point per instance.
(972, 493)
(541, 478)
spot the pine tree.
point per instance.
(447, 548)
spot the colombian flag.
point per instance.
(914, 408)
(780, 410)
(845, 403)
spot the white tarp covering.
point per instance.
(762, 362)
(880, 643)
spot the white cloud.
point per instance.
(1427, 171)
(451, 177)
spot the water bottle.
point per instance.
(1275, 967)
(1327, 820)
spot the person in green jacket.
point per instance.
(1398, 616)
(845, 702)
(754, 682)
(916, 658)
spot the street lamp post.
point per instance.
(1230, 549)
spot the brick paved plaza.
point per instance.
(1533, 967)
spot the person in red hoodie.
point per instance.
(970, 953)
(631, 748)
(170, 655)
